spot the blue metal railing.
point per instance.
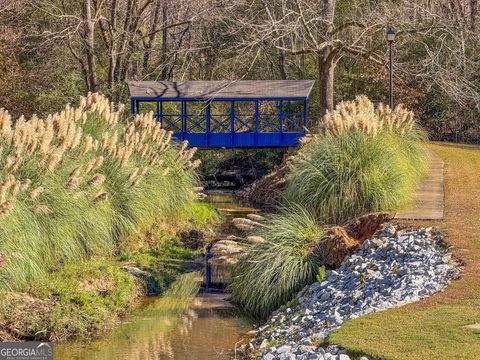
(233, 128)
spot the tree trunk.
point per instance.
(113, 45)
(281, 63)
(90, 46)
(326, 58)
(326, 72)
(473, 14)
(123, 40)
(163, 57)
(152, 35)
(328, 15)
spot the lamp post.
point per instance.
(391, 33)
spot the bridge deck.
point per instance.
(241, 140)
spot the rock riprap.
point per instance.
(389, 270)
(293, 351)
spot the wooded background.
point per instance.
(53, 51)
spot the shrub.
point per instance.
(76, 183)
(364, 160)
(321, 274)
(276, 269)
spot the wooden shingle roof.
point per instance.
(242, 89)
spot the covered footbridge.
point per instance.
(231, 114)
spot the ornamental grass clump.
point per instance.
(365, 159)
(278, 265)
(79, 182)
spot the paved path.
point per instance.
(429, 197)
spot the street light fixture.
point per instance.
(391, 33)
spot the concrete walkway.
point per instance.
(429, 197)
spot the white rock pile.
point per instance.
(390, 270)
(293, 351)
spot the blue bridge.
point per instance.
(230, 114)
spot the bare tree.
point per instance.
(299, 27)
(89, 39)
(111, 35)
(444, 45)
(330, 30)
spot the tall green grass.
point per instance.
(366, 166)
(66, 224)
(343, 177)
(276, 269)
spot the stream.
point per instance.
(207, 328)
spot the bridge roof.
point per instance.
(240, 90)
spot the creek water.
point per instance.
(207, 328)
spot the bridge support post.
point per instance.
(232, 123)
(132, 106)
(305, 114)
(183, 106)
(207, 121)
(280, 119)
(257, 120)
(160, 118)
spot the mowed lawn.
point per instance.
(435, 327)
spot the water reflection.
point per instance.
(208, 329)
(172, 326)
(225, 202)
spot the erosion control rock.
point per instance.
(386, 271)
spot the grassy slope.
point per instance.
(85, 298)
(434, 328)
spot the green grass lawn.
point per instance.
(435, 328)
